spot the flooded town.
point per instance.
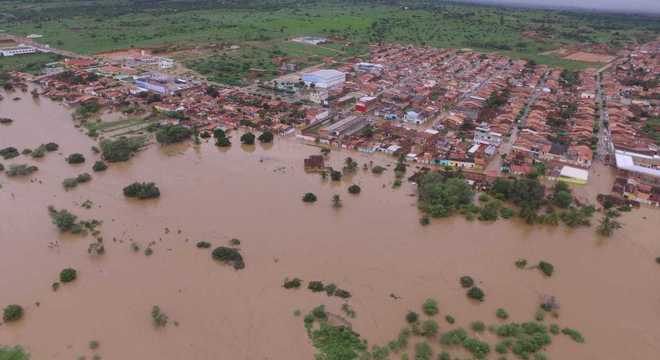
(413, 201)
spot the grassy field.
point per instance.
(93, 26)
(29, 63)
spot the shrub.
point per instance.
(228, 255)
(412, 317)
(423, 351)
(142, 190)
(429, 328)
(266, 137)
(440, 197)
(93, 345)
(467, 281)
(378, 169)
(335, 175)
(506, 213)
(203, 245)
(148, 251)
(12, 313)
(430, 307)
(75, 158)
(450, 319)
(424, 220)
(478, 348)
(546, 268)
(13, 353)
(292, 284)
(554, 329)
(354, 189)
(63, 219)
(223, 142)
(344, 294)
(171, 134)
(234, 242)
(68, 275)
(158, 317)
(315, 286)
(218, 133)
(69, 183)
(521, 263)
(573, 334)
(476, 294)
(453, 337)
(51, 146)
(478, 326)
(309, 198)
(99, 166)
(39, 152)
(9, 152)
(330, 289)
(121, 149)
(83, 178)
(444, 356)
(502, 314)
(21, 170)
(247, 138)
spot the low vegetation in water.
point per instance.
(9, 152)
(158, 317)
(203, 244)
(247, 138)
(476, 293)
(467, 281)
(430, 307)
(229, 256)
(266, 137)
(68, 275)
(75, 158)
(331, 341)
(13, 353)
(121, 149)
(309, 198)
(294, 283)
(142, 190)
(70, 183)
(546, 268)
(354, 189)
(68, 222)
(172, 134)
(17, 170)
(99, 166)
(12, 313)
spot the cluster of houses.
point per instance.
(632, 95)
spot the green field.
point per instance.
(100, 25)
(29, 63)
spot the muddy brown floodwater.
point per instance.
(373, 247)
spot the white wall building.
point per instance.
(324, 78)
(19, 50)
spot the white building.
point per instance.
(483, 135)
(324, 78)
(166, 63)
(19, 50)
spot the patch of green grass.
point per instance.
(29, 63)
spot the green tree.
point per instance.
(247, 138)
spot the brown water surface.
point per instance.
(373, 246)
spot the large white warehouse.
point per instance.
(324, 78)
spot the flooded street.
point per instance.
(373, 246)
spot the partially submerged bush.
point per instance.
(476, 294)
(573, 334)
(266, 137)
(247, 138)
(142, 190)
(309, 198)
(478, 326)
(546, 268)
(158, 317)
(429, 328)
(502, 314)
(75, 158)
(68, 275)
(294, 283)
(9, 152)
(203, 244)
(21, 170)
(69, 183)
(430, 307)
(228, 255)
(521, 263)
(378, 169)
(412, 317)
(51, 146)
(63, 219)
(121, 149)
(12, 313)
(467, 281)
(99, 166)
(316, 286)
(171, 134)
(83, 178)
(354, 189)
